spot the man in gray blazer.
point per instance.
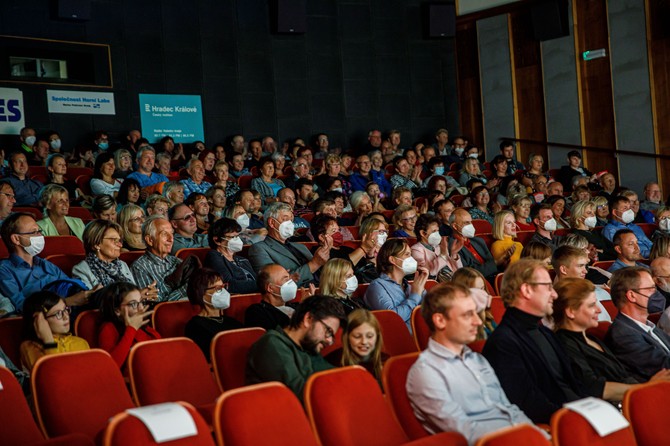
(641, 346)
(295, 257)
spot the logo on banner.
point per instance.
(11, 111)
(177, 116)
(80, 102)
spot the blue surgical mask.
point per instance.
(103, 145)
(439, 170)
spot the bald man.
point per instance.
(474, 253)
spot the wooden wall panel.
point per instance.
(595, 84)
(469, 86)
(658, 45)
(529, 113)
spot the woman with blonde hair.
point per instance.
(362, 343)
(131, 219)
(476, 283)
(404, 220)
(504, 231)
(337, 279)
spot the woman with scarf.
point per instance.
(102, 266)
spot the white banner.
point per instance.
(12, 111)
(80, 102)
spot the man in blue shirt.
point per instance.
(622, 218)
(628, 251)
(146, 160)
(361, 178)
(26, 190)
(23, 273)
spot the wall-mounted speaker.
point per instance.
(439, 20)
(550, 19)
(288, 16)
(77, 10)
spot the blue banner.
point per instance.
(178, 116)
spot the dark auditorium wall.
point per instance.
(362, 64)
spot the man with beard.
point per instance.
(290, 355)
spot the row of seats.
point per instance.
(343, 406)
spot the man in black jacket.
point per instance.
(532, 367)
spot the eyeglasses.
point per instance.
(549, 285)
(135, 304)
(10, 196)
(115, 240)
(330, 333)
(414, 217)
(33, 233)
(185, 217)
(60, 314)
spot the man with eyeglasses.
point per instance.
(450, 387)
(641, 346)
(7, 199)
(473, 250)
(23, 272)
(292, 354)
(183, 221)
(533, 368)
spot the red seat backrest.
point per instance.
(229, 351)
(11, 336)
(170, 318)
(397, 338)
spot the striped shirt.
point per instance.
(150, 267)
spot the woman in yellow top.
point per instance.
(47, 328)
(504, 231)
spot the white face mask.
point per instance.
(550, 225)
(55, 144)
(286, 229)
(664, 224)
(591, 222)
(235, 244)
(351, 285)
(221, 299)
(337, 189)
(435, 239)
(288, 290)
(628, 216)
(468, 231)
(459, 151)
(381, 238)
(243, 221)
(473, 155)
(30, 141)
(409, 266)
(36, 245)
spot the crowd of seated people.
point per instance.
(323, 237)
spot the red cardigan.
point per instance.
(119, 346)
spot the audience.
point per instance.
(46, 328)
(505, 250)
(54, 198)
(290, 355)
(444, 392)
(622, 218)
(391, 291)
(276, 248)
(125, 318)
(235, 270)
(208, 295)
(277, 290)
(533, 369)
(641, 346)
(157, 266)
(23, 273)
(593, 364)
